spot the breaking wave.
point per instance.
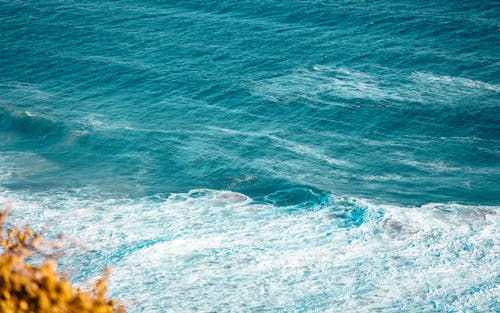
(215, 250)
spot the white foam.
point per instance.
(323, 81)
(453, 82)
(340, 82)
(209, 250)
(15, 165)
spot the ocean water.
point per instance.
(260, 156)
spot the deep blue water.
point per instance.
(282, 156)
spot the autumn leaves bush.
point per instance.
(26, 287)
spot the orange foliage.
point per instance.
(26, 288)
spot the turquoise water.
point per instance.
(298, 156)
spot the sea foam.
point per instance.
(215, 250)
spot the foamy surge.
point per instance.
(209, 250)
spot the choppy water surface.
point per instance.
(260, 156)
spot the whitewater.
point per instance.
(239, 156)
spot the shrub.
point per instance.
(25, 287)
